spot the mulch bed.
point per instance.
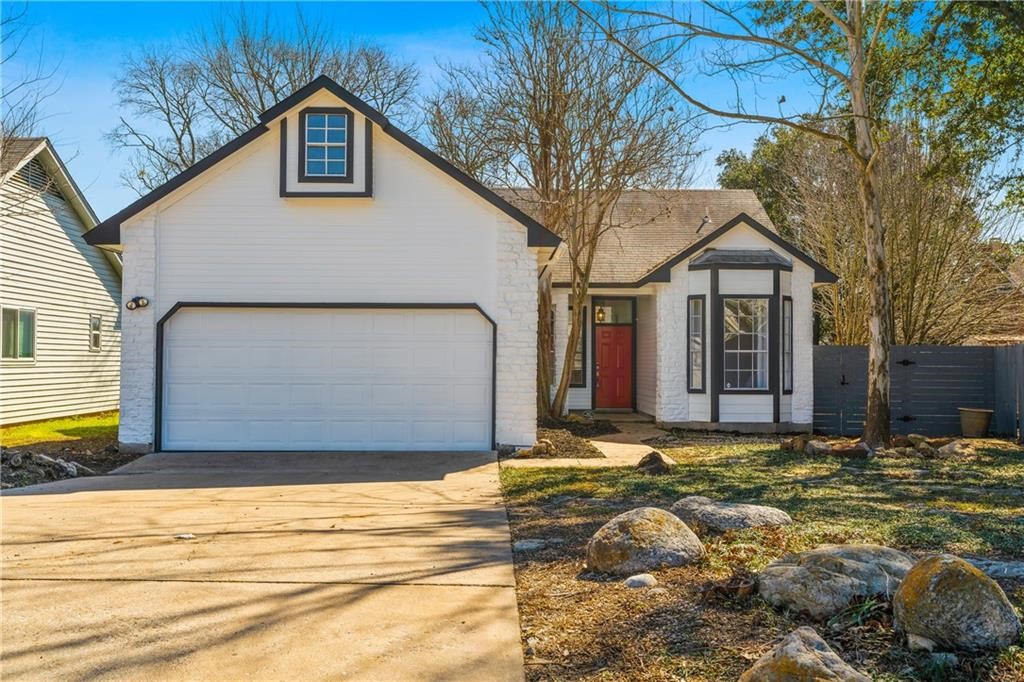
(42, 462)
(584, 428)
(568, 444)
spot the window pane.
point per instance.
(315, 120)
(335, 153)
(315, 168)
(578, 373)
(335, 121)
(335, 167)
(26, 333)
(337, 135)
(10, 333)
(315, 135)
(315, 153)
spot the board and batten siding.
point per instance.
(45, 265)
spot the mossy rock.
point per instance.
(950, 602)
(802, 656)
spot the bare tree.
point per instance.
(569, 123)
(827, 47)
(189, 98)
(948, 272)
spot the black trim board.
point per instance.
(349, 145)
(367, 190)
(158, 402)
(663, 272)
(109, 231)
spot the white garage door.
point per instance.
(326, 379)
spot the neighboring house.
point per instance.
(699, 315)
(60, 297)
(325, 282)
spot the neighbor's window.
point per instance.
(695, 327)
(19, 333)
(578, 378)
(327, 145)
(787, 344)
(745, 361)
(95, 332)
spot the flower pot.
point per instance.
(974, 423)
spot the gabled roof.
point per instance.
(655, 229)
(109, 231)
(22, 150)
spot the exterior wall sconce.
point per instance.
(137, 302)
(600, 314)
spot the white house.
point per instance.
(699, 315)
(325, 282)
(59, 297)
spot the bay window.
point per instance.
(745, 344)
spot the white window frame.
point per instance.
(17, 358)
(759, 351)
(96, 335)
(326, 145)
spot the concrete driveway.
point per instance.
(381, 566)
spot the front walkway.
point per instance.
(623, 449)
(296, 566)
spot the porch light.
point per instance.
(600, 314)
(137, 302)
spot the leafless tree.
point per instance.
(949, 278)
(569, 123)
(825, 47)
(188, 98)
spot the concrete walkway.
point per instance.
(303, 566)
(623, 449)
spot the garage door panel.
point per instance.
(326, 379)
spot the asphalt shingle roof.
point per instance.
(652, 226)
(16, 149)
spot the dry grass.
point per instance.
(582, 626)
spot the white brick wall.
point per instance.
(802, 410)
(673, 400)
(138, 337)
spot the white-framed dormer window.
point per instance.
(95, 332)
(325, 149)
(18, 333)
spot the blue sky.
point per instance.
(86, 42)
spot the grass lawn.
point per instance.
(63, 430)
(580, 626)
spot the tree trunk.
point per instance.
(877, 415)
(545, 345)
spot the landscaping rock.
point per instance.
(654, 463)
(925, 449)
(999, 569)
(802, 656)
(823, 581)
(796, 444)
(899, 441)
(916, 439)
(641, 580)
(642, 540)
(954, 448)
(817, 448)
(529, 545)
(859, 450)
(708, 516)
(945, 599)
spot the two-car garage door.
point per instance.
(326, 379)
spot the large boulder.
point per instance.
(642, 540)
(655, 464)
(708, 516)
(950, 602)
(824, 581)
(802, 656)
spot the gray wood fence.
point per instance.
(929, 384)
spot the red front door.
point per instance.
(614, 366)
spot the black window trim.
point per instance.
(703, 345)
(17, 358)
(787, 331)
(349, 145)
(583, 342)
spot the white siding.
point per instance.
(422, 237)
(646, 355)
(46, 265)
(744, 408)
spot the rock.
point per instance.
(918, 643)
(110, 449)
(40, 458)
(802, 656)
(654, 463)
(641, 580)
(823, 581)
(954, 448)
(529, 545)
(83, 470)
(999, 569)
(945, 599)
(916, 439)
(15, 460)
(67, 468)
(816, 448)
(523, 453)
(944, 659)
(708, 516)
(641, 540)
(797, 443)
(899, 441)
(925, 449)
(859, 450)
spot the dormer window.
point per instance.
(325, 151)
